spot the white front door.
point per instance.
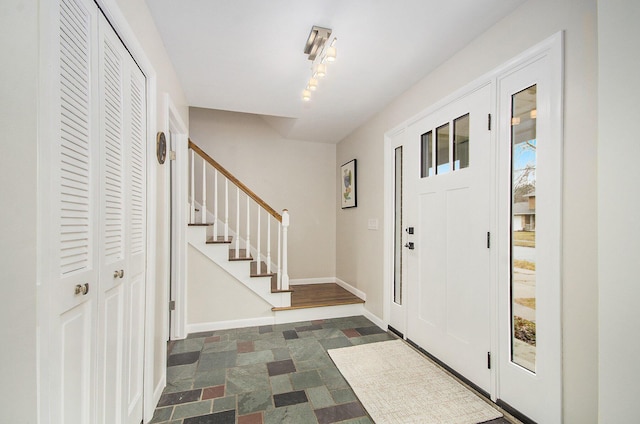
(447, 202)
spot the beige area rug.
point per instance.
(396, 384)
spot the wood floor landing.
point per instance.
(318, 295)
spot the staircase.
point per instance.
(236, 211)
(247, 238)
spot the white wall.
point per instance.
(141, 22)
(214, 296)
(618, 223)
(18, 176)
(359, 251)
(287, 174)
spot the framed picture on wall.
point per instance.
(348, 183)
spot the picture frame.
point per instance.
(348, 184)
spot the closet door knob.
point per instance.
(81, 289)
(118, 274)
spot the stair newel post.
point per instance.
(203, 214)
(285, 228)
(258, 236)
(237, 222)
(248, 241)
(215, 204)
(268, 244)
(226, 209)
(192, 201)
(279, 255)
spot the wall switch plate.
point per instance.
(372, 224)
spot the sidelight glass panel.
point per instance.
(442, 149)
(523, 228)
(461, 142)
(397, 264)
(426, 154)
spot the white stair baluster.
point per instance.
(268, 243)
(192, 203)
(279, 256)
(226, 209)
(248, 241)
(203, 209)
(215, 205)
(237, 222)
(285, 228)
(258, 259)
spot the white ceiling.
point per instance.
(247, 55)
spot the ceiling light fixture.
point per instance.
(319, 48)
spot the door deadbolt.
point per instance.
(82, 289)
(410, 245)
(409, 230)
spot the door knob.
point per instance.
(81, 289)
(118, 274)
(410, 245)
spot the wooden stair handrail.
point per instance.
(234, 180)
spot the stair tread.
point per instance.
(242, 255)
(202, 224)
(263, 270)
(219, 240)
(319, 295)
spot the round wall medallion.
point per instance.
(161, 147)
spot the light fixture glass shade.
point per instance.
(322, 70)
(313, 84)
(306, 95)
(331, 54)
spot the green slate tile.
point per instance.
(192, 409)
(305, 379)
(320, 397)
(293, 414)
(259, 400)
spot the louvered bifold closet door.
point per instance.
(71, 255)
(136, 248)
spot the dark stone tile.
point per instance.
(333, 414)
(226, 417)
(351, 332)
(183, 358)
(291, 398)
(317, 322)
(265, 329)
(212, 339)
(245, 347)
(213, 392)
(161, 415)
(179, 397)
(251, 418)
(201, 334)
(281, 367)
(309, 328)
(367, 331)
(290, 334)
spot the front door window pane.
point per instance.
(442, 149)
(397, 264)
(523, 228)
(426, 153)
(461, 142)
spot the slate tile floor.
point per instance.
(275, 374)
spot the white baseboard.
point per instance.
(373, 318)
(321, 280)
(225, 325)
(362, 295)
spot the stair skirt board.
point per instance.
(219, 253)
